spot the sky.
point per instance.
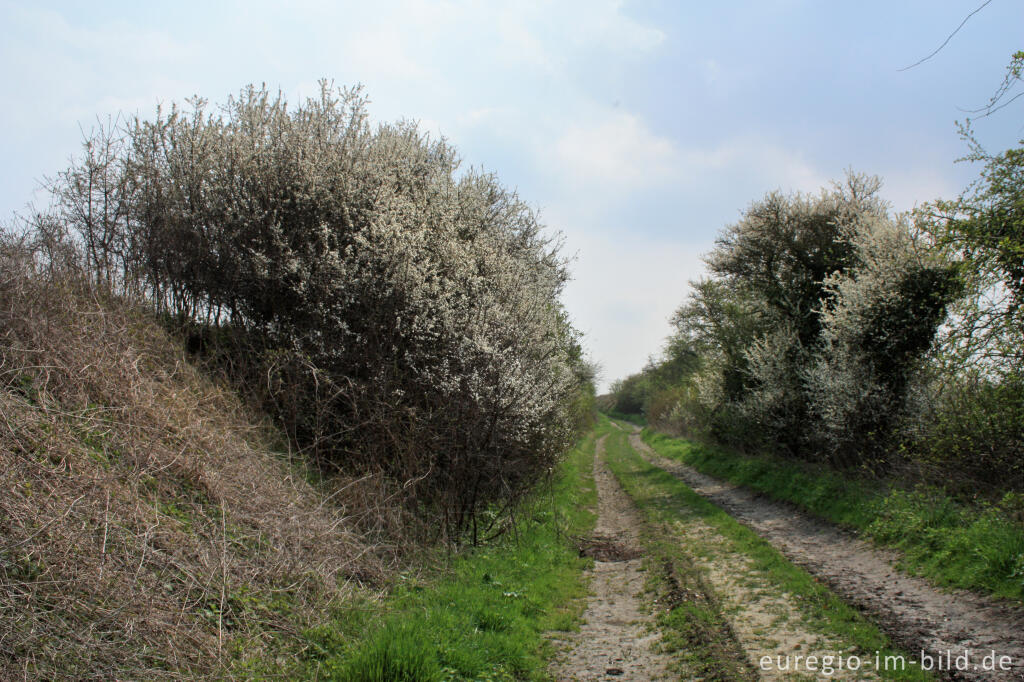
(638, 130)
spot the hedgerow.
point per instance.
(395, 313)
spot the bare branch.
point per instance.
(948, 38)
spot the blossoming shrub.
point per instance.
(874, 343)
(813, 328)
(397, 314)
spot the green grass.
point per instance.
(638, 419)
(482, 615)
(968, 546)
(694, 630)
(663, 497)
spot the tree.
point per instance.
(983, 230)
(971, 412)
(875, 337)
(761, 310)
(814, 323)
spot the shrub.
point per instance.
(875, 336)
(816, 321)
(776, 400)
(970, 426)
(395, 314)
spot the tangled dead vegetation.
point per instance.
(148, 527)
(604, 548)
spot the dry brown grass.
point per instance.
(148, 530)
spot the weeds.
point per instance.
(484, 614)
(123, 471)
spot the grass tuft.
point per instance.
(395, 654)
(486, 613)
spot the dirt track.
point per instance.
(616, 639)
(915, 614)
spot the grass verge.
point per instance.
(663, 498)
(975, 547)
(483, 614)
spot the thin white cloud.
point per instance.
(618, 151)
(906, 188)
(578, 25)
(520, 42)
(114, 40)
(383, 53)
(755, 162)
(604, 24)
(482, 116)
(624, 290)
(610, 161)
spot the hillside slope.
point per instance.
(148, 527)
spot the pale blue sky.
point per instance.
(639, 129)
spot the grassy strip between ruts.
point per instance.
(484, 614)
(693, 628)
(662, 495)
(973, 547)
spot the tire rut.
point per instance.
(915, 614)
(617, 639)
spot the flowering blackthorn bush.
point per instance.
(398, 314)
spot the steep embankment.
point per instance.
(148, 527)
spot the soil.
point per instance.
(766, 622)
(618, 639)
(917, 615)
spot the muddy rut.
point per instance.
(914, 613)
(617, 640)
